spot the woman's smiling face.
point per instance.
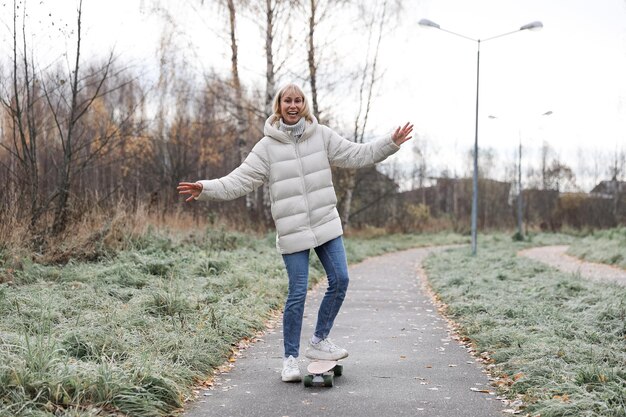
(291, 104)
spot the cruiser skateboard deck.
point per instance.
(322, 373)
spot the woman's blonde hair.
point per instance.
(289, 88)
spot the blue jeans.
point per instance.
(333, 257)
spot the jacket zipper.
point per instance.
(305, 194)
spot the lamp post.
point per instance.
(520, 203)
(430, 24)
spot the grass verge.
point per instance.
(604, 246)
(554, 340)
(133, 333)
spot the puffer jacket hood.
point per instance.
(298, 172)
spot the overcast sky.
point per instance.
(575, 67)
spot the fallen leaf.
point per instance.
(208, 383)
(484, 391)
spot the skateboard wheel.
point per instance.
(328, 380)
(308, 380)
(338, 370)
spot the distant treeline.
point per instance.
(92, 136)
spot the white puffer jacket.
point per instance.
(300, 181)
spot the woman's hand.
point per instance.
(193, 188)
(401, 135)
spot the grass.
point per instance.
(604, 246)
(134, 332)
(555, 341)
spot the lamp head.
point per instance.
(428, 23)
(532, 26)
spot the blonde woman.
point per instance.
(295, 157)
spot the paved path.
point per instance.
(403, 361)
(555, 256)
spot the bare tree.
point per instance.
(22, 103)
(617, 170)
(273, 17)
(545, 154)
(598, 164)
(242, 120)
(318, 13)
(487, 157)
(368, 82)
(69, 102)
(421, 169)
(276, 14)
(311, 56)
(558, 175)
(241, 114)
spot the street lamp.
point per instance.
(520, 204)
(530, 26)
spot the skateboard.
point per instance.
(322, 373)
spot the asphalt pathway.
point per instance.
(403, 359)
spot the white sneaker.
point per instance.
(325, 350)
(291, 370)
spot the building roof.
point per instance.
(608, 189)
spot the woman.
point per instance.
(295, 157)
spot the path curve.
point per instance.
(556, 256)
